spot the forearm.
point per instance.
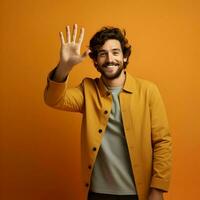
(155, 194)
(59, 96)
(54, 89)
(162, 161)
(61, 72)
(161, 143)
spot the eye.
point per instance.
(102, 54)
(115, 53)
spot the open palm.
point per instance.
(70, 50)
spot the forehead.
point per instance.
(111, 44)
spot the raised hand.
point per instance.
(69, 53)
(70, 50)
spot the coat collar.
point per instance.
(129, 85)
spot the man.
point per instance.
(125, 138)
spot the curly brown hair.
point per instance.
(105, 34)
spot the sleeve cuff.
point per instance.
(50, 78)
(160, 184)
(51, 74)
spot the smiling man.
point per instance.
(109, 61)
(125, 138)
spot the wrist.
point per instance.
(156, 190)
(65, 67)
(60, 73)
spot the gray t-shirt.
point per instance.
(112, 173)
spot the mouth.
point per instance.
(110, 68)
(111, 65)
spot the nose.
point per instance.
(109, 57)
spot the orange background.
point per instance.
(39, 146)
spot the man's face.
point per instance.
(110, 59)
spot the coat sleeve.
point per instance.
(161, 142)
(59, 96)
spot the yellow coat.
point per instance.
(145, 127)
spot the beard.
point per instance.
(120, 66)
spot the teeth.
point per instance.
(110, 66)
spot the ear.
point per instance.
(95, 64)
(97, 68)
(94, 61)
(125, 59)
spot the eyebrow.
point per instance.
(115, 49)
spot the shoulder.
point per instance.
(144, 83)
(90, 84)
(88, 81)
(141, 84)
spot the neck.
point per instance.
(117, 82)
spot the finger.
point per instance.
(85, 54)
(81, 36)
(74, 33)
(62, 40)
(68, 34)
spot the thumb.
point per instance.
(85, 54)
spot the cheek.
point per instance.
(120, 60)
(100, 61)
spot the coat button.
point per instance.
(100, 130)
(94, 148)
(90, 166)
(105, 112)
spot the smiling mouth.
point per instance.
(111, 65)
(111, 68)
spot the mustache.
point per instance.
(110, 64)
